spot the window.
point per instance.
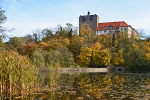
(105, 31)
(105, 27)
(125, 29)
(110, 26)
(121, 29)
(115, 26)
(100, 31)
(101, 27)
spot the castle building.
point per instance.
(91, 20)
(106, 27)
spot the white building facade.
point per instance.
(112, 27)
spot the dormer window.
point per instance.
(110, 26)
(105, 27)
(115, 26)
(101, 27)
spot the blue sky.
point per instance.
(29, 15)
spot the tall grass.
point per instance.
(17, 74)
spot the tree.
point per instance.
(100, 57)
(31, 49)
(113, 40)
(147, 52)
(136, 58)
(17, 41)
(147, 39)
(75, 44)
(67, 31)
(47, 34)
(118, 60)
(141, 33)
(25, 49)
(67, 57)
(70, 30)
(2, 20)
(37, 35)
(85, 56)
(104, 38)
(85, 30)
(38, 59)
(29, 39)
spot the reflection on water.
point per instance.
(91, 86)
(96, 86)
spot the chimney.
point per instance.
(88, 13)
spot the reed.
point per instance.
(17, 74)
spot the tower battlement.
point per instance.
(91, 20)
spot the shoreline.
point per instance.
(66, 70)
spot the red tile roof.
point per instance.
(101, 26)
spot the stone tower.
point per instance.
(92, 20)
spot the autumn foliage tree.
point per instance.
(147, 52)
(94, 56)
(85, 30)
(27, 49)
(84, 58)
(100, 56)
(118, 59)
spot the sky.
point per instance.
(26, 16)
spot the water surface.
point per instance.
(96, 86)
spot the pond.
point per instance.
(92, 86)
(96, 86)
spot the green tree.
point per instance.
(67, 57)
(17, 41)
(52, 58)
(38, 59)
(75, 44)
(136, 58)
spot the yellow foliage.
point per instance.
(85, 30)
(42, 46)
(100, 57)
(118, 60)
(85, 56)
(96, 47)
(147, 51)
(63, 41)
(147, 47)
(135, 46)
